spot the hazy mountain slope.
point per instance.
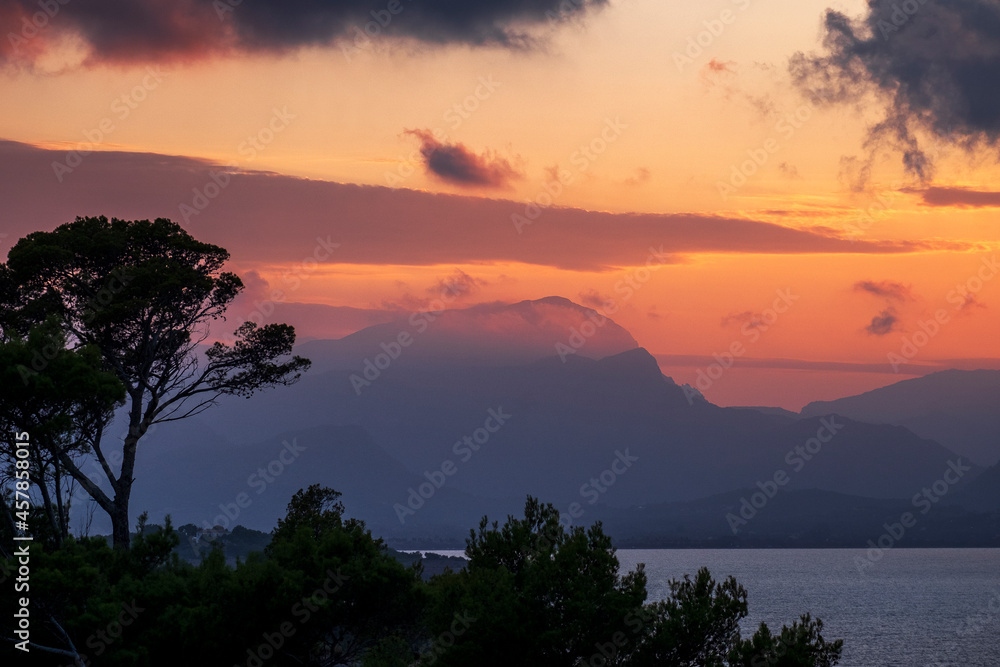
(608, 432)
(207, 483)
(960, 409)
(983, 494)
(800, 519)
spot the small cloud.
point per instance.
(642, 175)
(406, 302)
(255, 288)
(886, 289)
(454, 163)
(789, 170)
(750, 86)
(746, 318)
(891, 293)
(883, 323)
(970, 303)
(716, 66)
(653, 315)
(594, 299)
(458, 284)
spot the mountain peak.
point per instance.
(484, 334)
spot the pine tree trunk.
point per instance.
(120, 535)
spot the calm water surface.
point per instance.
(911, 607)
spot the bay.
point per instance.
(900, 608)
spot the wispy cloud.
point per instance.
(960, 197)
(458, 284)
(595, 299)
(747, 317)
(887, 289)
(891, 293)
(639, 177)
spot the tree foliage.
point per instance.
(533, 584)
(559, 597)
(142, 295)
(326, 593)
(59, 407)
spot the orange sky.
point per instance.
(607, 102)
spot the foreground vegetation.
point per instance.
(326, 592)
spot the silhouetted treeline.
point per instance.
(326, 592)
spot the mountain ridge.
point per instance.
(425, 448)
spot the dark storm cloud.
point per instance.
(141, 30)
(933, 63)
(457, 164)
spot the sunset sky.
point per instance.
(735, 145)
